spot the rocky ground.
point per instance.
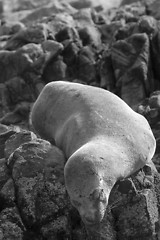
(116, 49)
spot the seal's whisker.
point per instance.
(114, 204)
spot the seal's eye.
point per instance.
(94, 195)
(76, 203)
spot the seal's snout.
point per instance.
(89, 216)
(93, 211)
(92, 216)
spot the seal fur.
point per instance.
(103, 139)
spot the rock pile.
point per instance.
(34, 203)
(116, 49)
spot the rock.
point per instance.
(3, 41)
(32, 34)
(17, 91)
(53, 7)
(127, 13)
(60, 21)
(56, 229)
(83, 18)
(109, 31)
(34, 204)
(133, 208)
(37, 170)
(156, 157)
(3, 128)
(107, 78)
(31, 58)
(86, 65)
(144, 24)
(7, 65)
(16, 140)
(154, 100)
(153, 9)
(79, 5)
(90, 36)
(4, 174)
(70, 56)
(4, 135)
(38, 87)
(25, 4)
(7, 194)
(51, 49)
(28, 58)
(3, 99)
(151, 110)
(67, 33)
(55, 70)
(19, 114)
(99, 4)
(155, 53)
(11, 226)
(130, 58)
(122, 14)
(147, 24)
(138, 8)
(10, 28)
(97, 16)
(33, 10)
(128, 2)
(126, 31)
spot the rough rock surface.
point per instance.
(34, 202)
(34, 34)
(153, 9)
(130, 59)
(72, 45)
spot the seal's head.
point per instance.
(88, 190)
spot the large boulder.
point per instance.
(90, 36)
(131, 63)
(70, 57)
(133, 209)
(36, 168)
(33, 34)
(9, 28)
(11, 225)
(99, 4)
(59, 21)
(14, 63)
(54, 70)
(5, 133)
(32, 11)
(107, 77)
(153, 9)
(86, 65)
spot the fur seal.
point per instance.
(103, 139)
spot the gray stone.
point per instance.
(33, 34)
(11, 226)
(131, 64)
(16, 140)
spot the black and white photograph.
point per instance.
(79, 120)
